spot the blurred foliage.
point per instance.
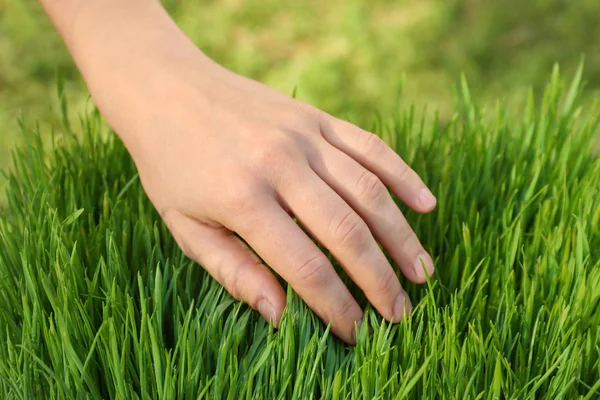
(347, 57)
(503, 45)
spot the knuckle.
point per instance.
(240, 197)
(313, 270)
(231, 282)
(347, 310)
(369, 187)
(385, 283)
(372, 144)
(404, 172)
(301, 117)
(234, 279)
(408, 239)
(275, 152)
(350, 231)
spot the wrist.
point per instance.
(117, 39)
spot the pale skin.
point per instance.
(220, 154)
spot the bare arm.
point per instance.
(90, 23)
(114, 41)
(218, 153)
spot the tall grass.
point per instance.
(97, 301)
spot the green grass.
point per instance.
(346, 56)
(97, 301)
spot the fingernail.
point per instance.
(427, 261)
(266, 309)
(426, 198)
(402, 307)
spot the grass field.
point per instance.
(347, 57)
(96, 300)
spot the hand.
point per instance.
(218, 153)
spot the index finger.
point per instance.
(376, 156)
(272, 233)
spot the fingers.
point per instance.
(339, 228)
(368, 196)
(231, 263)
(287, 249)
(376, 156)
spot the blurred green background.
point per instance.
(347, 57)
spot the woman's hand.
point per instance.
(218, 153)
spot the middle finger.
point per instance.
(365, 193)
(341, 230)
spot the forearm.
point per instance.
(124, 49)
(104, 34)
(62, 13)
